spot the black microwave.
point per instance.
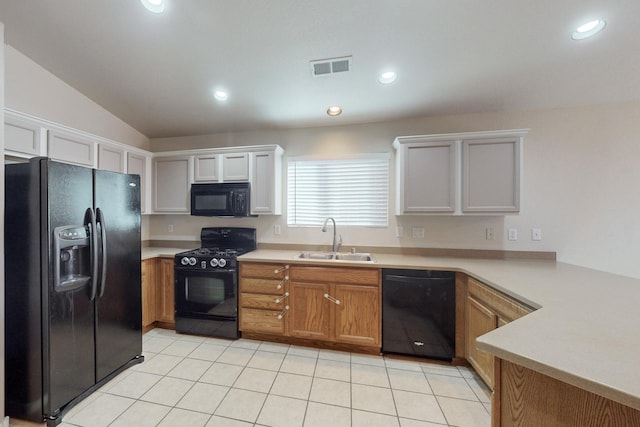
(221, 199)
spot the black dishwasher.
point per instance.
(419, 313)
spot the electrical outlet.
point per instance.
(513, 234)
(399, 232)
(536, 234)
(170, 228)
(276, 230)
(417, 232)
(490, 233)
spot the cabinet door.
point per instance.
(358, 314)
(71, 148)
(137, 164)
(206, 167)
(480, 320)
(265, 184)
(427, 177)
(22, 136)
(165, 297)
(148, 292)
(110, 158)
(310, 312)
(171, 184)
(235, 167)
(491, 175)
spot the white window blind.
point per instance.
(353, 191)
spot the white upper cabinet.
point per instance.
(137, 164)
(71, 148)
(110, 158)
(22, 136)
(464, 173)
(427, 177)
(266, 182)
(171, 183)
(491, 175)
(206, 167)
(235, 167)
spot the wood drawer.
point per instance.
(265, 271)
(505, 306)
(255, 320)
(262, 286)
(360, 276)
(267, 302)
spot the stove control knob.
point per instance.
(184, 261)
(222, 262)
(214, 262)
(192, 261)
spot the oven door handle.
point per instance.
(186, 289)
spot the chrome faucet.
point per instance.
(336, 244)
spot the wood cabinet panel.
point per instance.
(480, 320)
(206, 167)
(529, 398)
(165, 298)
(358, 314)
(264, 321)
(149, 267)
(363, 276)
(310, 314)
(264, 299)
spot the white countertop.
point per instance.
(586, 331)
(153, 252)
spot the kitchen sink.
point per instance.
(354, 257)
(336, 256)
(315, 255)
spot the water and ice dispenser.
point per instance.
(72, 257)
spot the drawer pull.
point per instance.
(279, 285)
(283, 312)
(281, 269)
(280, 299)
(332, 299)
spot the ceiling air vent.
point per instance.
(325, 67)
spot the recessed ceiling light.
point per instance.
(387, 77)
(589, 29)
(334, 111)
(155, 6)
(220, 95)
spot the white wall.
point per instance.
(33, 90)
(579, 185)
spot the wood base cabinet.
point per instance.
(158, 293)
(333, 307)
(340, 305)
(524, 397)
(486, 310)
(149, 267)
(264, 298)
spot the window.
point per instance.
(354, 191)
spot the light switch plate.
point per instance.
(536, 234)
(513, 234)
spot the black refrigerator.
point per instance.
(73, 315)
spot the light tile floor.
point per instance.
(194, 381)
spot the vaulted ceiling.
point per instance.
(157, 72)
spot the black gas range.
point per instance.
(207, 282)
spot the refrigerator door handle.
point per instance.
(94, 253)
(103, 239)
